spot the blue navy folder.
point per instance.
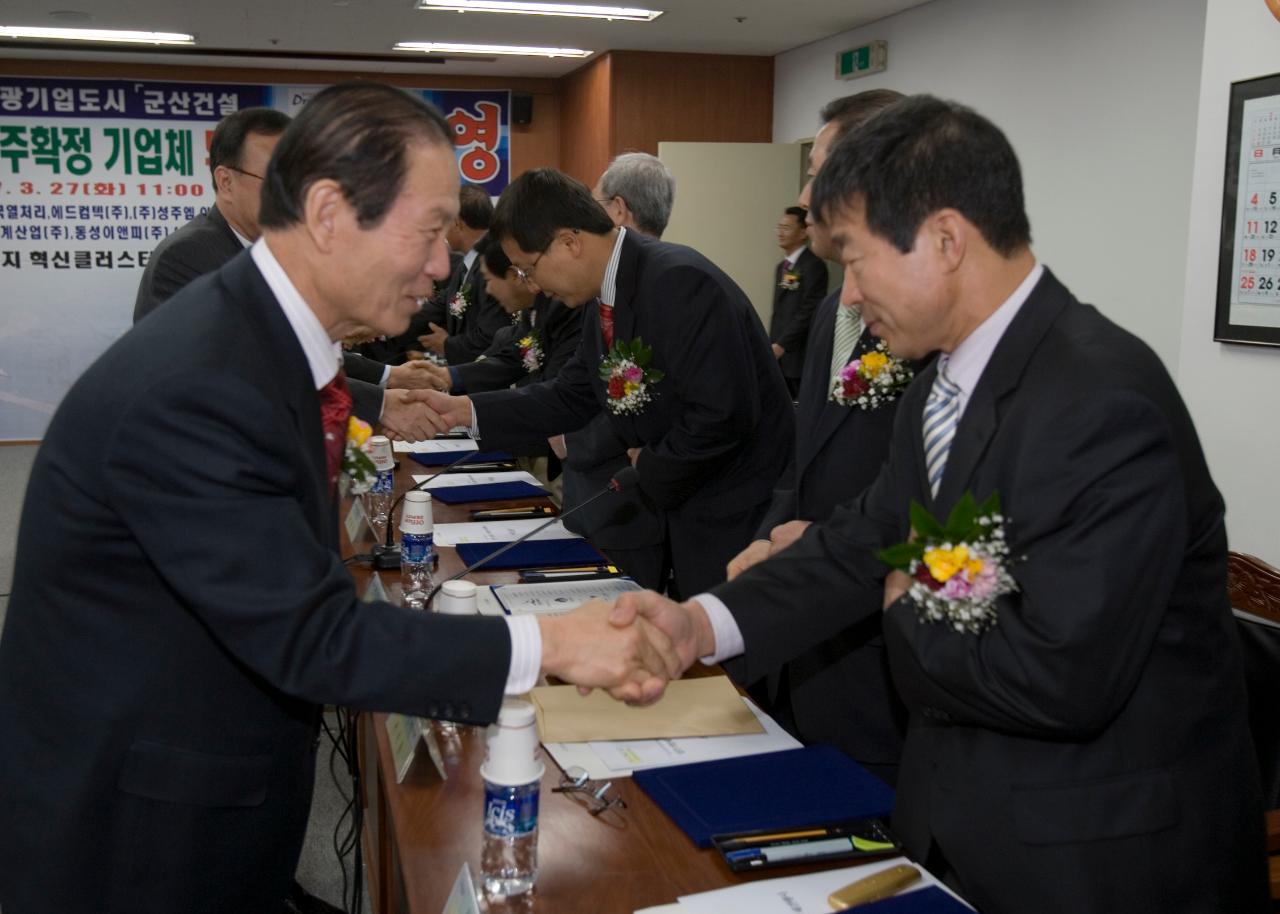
(796, 787)
(444, 458)
(533, 554)
(929, 900)
(492, 491)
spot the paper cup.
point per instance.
(513, 746)
(457, 598)
(379, 450)
(415, 515)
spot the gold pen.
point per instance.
(874, 887)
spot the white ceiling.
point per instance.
(371, 27)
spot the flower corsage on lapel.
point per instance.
(530, 347)
(872, 379)
(627, 376)
(957, 569)
(790, 280)
(358, 471)
(458, 306)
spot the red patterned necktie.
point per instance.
(606, 324)
(335, 408)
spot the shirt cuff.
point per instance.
(386, 374)
(728, 636)
(526, 653)
(475, 424)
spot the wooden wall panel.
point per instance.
(586, 124)
(691, 98)
(535, 145)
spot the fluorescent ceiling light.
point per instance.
(440, 47)
(22, 31)
(542, 9)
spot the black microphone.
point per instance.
(387, 555)
(623, 481)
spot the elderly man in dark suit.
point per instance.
(1087, 748)
(239, 151)
(180, 612)
(799, 283)
(839, 692)
(238, 156)
(671, 349)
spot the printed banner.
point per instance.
(94, 173)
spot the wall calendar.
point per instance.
(1248, 308)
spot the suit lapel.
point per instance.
(292, 374)
(833, 415)
(624, 316)
(999, 379)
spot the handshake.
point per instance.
(632, 648)
(415, 410)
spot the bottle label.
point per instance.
(510, 811)
(385, 482)
(416, 547)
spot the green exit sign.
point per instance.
(855, 62)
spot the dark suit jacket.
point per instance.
(1089, 752)
(180, 615)
(793, 309)
(201, 246)
(718, 430)
(471, 333)
(839, 691)
(558, 327)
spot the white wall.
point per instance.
(1233, 391)
(1098, 98)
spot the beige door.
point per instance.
(728, 200)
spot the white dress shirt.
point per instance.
(964, 367)
(323, 356)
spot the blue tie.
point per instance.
(941, 416)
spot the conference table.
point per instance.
(419, 833)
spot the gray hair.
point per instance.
(647, 186)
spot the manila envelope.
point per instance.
(707, 706)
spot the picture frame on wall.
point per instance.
(1248, 305)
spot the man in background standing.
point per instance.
(799, 283)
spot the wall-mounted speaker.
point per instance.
(521, 108)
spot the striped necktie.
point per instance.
(941, 416)
(848, 330)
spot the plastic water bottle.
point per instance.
(417, 549)
(378, 499)
(512, 778)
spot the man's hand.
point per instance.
(896, 585)
(686, 624)
(783, 535)
(435, 339)
(633, 662)
(418, 375)
(755, 553)
(453, 411)
(558, 446)
(778, 351)
(405, 417)
(633, 454)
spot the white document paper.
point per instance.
(501, 531)
(445, 480)
(555, 597)
(435, 446)
(669, 752)
(792, 894)
(632, 755)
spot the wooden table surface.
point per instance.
(420, 832)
